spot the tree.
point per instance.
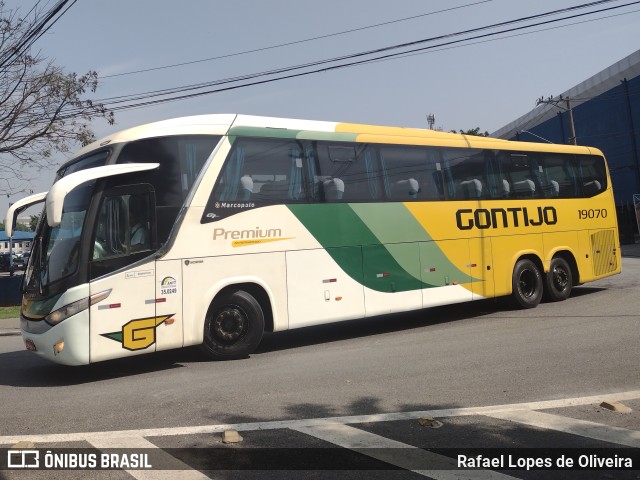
(43, 109)
(33, 222)
(472, 131)
(21, 227)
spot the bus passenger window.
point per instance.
(345, 172)
(559, 176)
(593, 175)
(265, 172)
(408, 174)
(522, 182)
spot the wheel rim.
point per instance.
(560, 278)
(229, 325)
(528, 283)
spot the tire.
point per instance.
(559, 281)
(527, 284)
(233, 327)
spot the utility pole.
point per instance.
(556, 102)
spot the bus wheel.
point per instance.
(527, 284)
(233, 327)
(559, 281)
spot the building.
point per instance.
(606, 113)
(22, 242)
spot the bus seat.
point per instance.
(333, 189)
(524, 188)
(592, 187)
(246, 188)
(275, 190)
(472, 188)
(555, 188)
(405, 189)
(506, 188)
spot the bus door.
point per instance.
(124, 268)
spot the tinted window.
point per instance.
(346, 172)
(262, 171)
(181, 159)
(557, 176)
(96, 159)
(466, 174)
(593, 175)
(412, 173)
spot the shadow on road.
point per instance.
(24, 369)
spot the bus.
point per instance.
(211, 230)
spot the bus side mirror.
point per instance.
(19, 206)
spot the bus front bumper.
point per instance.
(66, 343)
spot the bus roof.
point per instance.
(222, 124)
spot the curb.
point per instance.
(8, 332)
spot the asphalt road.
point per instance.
(467, 355)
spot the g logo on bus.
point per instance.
(138, 334)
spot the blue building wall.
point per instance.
(610, 122)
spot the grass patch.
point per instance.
(9, 312)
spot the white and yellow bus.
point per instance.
(213, 229)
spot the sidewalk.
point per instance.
(11, 326)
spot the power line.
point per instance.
(180, 93)
(295, 42)
(29, 37)
(192, 87)
(513, 36)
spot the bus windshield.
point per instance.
(56, 250)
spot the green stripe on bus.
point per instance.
(338, 225)
(393, 223)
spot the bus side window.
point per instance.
(124, 226)
(345, 172)
(520, 171)
(593, 175)
(411, 173)
(560, 175)
(497, 183)
(468, 170)
(266, 172)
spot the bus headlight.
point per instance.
(67, 311)
(78, 306)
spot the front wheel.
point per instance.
(527, 284)
(559, 281)
(233, 327)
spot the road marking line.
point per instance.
(277, 424)
(181, 470)
(584, 428)
(395, 453)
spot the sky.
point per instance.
(486, 84)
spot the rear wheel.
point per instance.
(559, 281)
(527, 284)
(233, 327)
